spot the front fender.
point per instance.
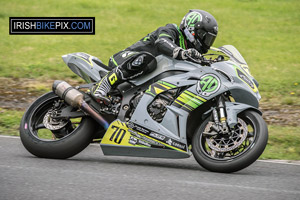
(234, 108)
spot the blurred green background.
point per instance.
(266, 32)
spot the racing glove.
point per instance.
(182, 54)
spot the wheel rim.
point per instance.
(233, 145)
(41, 130)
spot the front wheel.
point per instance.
(235, 150)
(66, 137)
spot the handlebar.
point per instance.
(201, 60)
(204, 61)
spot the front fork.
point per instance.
(225, 115)
(219, 117)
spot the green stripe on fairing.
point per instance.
(195, 96)
(178, 102)
(188, 100)
(164, 86)
(190, 93)
(167, 84)
(196, 101)
(183, 105)
(193, 104)
(148, 92)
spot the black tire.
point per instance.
(65, 147)
(238, 162)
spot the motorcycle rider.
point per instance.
(195, 35)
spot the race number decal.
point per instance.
(112, 78)
(118, 135)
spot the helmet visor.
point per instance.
(209, 39)
(206, 37)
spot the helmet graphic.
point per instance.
(200, 29)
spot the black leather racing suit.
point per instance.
(139, 58)
(161, 41)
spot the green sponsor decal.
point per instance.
(208, 84)
(192, 18)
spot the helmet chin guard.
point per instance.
(196, 43)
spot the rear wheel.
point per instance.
(232, 151)
(47, 137)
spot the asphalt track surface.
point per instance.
(90, 175)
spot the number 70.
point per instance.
(117, 133)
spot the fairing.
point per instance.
(202, 84)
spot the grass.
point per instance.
(10, 122)
(284, 143)
(266, 32)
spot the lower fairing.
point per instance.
(128, 139)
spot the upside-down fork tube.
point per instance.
(75, 99)
(221, 107)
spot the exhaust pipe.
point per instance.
(75, 98)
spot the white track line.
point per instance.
(9, 136)
(287, 162)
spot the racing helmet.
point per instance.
(200, 28)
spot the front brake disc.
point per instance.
(221, 143)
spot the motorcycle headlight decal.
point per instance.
(246, 79)
(208, 85)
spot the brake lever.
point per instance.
(205, 61)
(201, 61)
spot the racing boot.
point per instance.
(132, 68)
(100, 89)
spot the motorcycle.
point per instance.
(207, 108)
